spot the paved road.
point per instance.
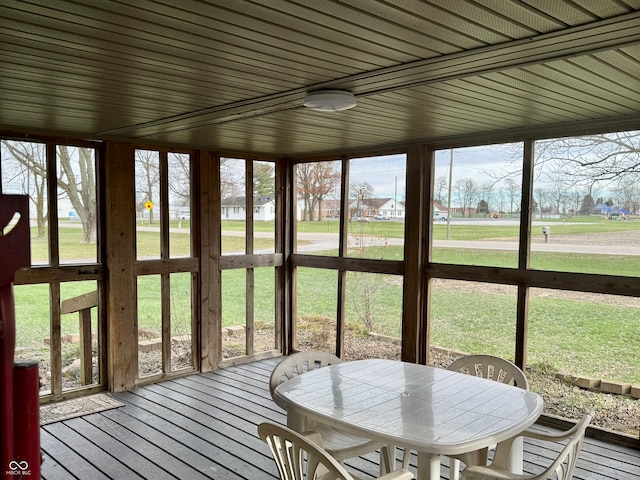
(319, 241)
(328, 241)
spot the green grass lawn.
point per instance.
(586, 337)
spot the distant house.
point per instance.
(370, 207)
(439, 209)
(234, 208)
(601, 209)
(330, 208)
(390, 208)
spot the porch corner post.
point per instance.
(121, 291)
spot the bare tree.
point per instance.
(467, 193)
(541, 196)
(147, 179)
(360, 192)
(30, 172)
(600, 158)
(513, 192)
(304, 174)
(486, 195)
(440, 187)
(315, 182)
(557, 195)
(76, 179)
(628, 194)
(326, 175)
(232, 177)
(500, 196)
(179, 173)
(364, 287)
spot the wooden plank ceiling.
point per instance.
(231, 75)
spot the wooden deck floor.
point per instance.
(204, 427)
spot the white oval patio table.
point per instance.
(427, 409)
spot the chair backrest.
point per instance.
(297, 457)
(297, 364)
(491, 367)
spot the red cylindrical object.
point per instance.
(26, 423)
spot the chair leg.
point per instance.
(454, 469)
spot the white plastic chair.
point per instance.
(339, 444)
(561, 469)
(301, 457)
(492, 368)
(496, 369)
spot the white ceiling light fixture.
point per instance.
(330, 100)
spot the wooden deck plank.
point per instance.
(209, 424)
(256, 404)
(144, 425)
(81, 459)
(152, 453)
(64, 451)
(212, 460)
(223, 395)
(121, 452)
(205, 426)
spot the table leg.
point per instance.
(516, 456)
(428, 466)
(295, 421)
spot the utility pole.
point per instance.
(449, 193)
(395, 199)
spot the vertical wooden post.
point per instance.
(86, 357)
(210, 247)
(524, 253)
(415, 330)
(120, 238)
(83, 305)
